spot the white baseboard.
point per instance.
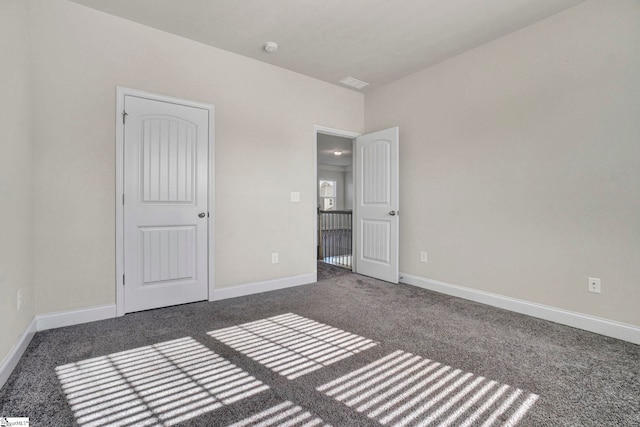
(60, 319)
(12, 359)
(75, 317)
(268, 285)
(586, 322)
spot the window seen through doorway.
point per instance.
(327, 195)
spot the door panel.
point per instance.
(375, 241)
(376, 162)
(168, 155)
(376, 222)
(168, 254)
(165, 211)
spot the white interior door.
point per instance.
(165, 203)
(376, 208)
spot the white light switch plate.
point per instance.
(295, 196)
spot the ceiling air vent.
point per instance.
(350, 81)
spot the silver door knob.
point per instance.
(202, 214)
(392, 213)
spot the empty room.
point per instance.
(320, 213)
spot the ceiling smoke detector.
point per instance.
(270, 47)
(353, 82)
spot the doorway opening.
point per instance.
(335, 192)
(370, 195)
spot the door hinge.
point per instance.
(123, 198)
(124, 115)
(123, 280)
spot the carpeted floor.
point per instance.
(346, 351)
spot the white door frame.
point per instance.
(121, 93)
(345, 134)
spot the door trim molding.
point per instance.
(121, 92)
(335, 132)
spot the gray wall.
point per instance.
(264, 149)
(519, 159)
(16, 208)
(520, 162)
(61, 63)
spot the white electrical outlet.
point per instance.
(594, 285)
(423, 256)
(295, 197)
(19, 300)
(274, 258)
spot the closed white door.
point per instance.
(165, 203)
(377, 200)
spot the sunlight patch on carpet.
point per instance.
(406, 390)
(292, 345)
(161, 384)
(285, 414)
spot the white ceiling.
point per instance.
(328, 144)
(377, 41)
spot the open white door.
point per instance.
(165, 203)
(376, 208)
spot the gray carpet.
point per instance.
(348, 350)
(329, 271)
